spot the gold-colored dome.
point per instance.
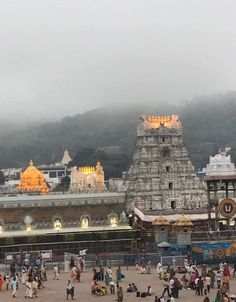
(160, 220)
(183, 221)
(32, 180)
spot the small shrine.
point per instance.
(161, 229)
(32, 180)
(87, 179)
(183, 230)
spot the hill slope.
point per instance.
(208, 124)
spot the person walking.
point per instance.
(44, 272)
(29, 289)
(218, 279)
(55, 272)
(118, 274)
(101, 271)
(149, 265)
(69, 290)
(8, 280)
(119, 294)
(23, 275)
(166, 286)
(1, 282)
(208, 282)
(35, 288)
(200, 286)
(14, 287)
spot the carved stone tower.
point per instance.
(161, 176)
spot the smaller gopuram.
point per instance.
(66, 159)
(87, 179)
(31, 179)
(221, 189)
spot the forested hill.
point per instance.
(109, 134)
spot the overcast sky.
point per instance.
(62, 57)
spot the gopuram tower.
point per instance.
(161, 175)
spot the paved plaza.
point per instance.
(55, 289)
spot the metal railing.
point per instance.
(213, 235)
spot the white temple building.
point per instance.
(66, 159)
(220, 164)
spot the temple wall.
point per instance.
(68, 206)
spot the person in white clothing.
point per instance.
(29, 289)
(208, 282)
(159, 270)
(23, 275)
(172, 299)
(55, 272)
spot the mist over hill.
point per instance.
(109, 134)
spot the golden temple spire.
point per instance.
(32, 180)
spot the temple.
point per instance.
(161, 175)
(220, 164)
(159, 200)
(87, 179)
(32, 180)
(66, 159)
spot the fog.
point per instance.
(62, 57)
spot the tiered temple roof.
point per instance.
(156, 121)
(32, 180)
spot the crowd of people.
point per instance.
(32, 275)
(200, 280)
(105, 280)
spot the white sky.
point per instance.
(61, 57)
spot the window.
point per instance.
(167, 168)
(61, 173)
(163, 139)
(52, 174)
(165, 151)
(170, 185)
(173, 204)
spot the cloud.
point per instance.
(63, 57)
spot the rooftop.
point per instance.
(156, 121)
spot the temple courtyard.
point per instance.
(55, 289)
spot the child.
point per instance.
(112, 287)
(8, 280)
